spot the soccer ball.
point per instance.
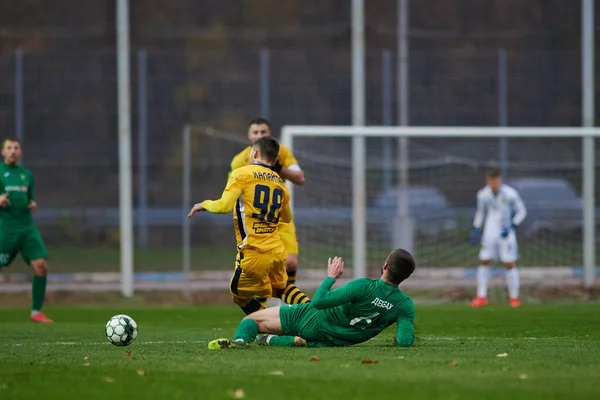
(121, 330)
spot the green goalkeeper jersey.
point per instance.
(361, 309)
(18, 183)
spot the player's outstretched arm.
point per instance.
(326, 298)
(225, 204)
(222, 206)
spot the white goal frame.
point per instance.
(359, 220)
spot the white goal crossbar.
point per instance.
(359, 196)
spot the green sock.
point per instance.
(38, 292)
(282, 341)
(247, 330)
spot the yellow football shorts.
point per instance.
(257, 274)
(287, 233)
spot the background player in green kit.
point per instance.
(352, 314)
(18, 234)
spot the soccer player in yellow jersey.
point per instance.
(288, 169)
(261, 202)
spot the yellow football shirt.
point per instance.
(260, 201)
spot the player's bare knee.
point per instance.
(485, 262)
(509, 265)
(299, 342)
(40, 267)
(291, 262)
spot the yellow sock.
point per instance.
(292, 295)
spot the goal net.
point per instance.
(355, 203)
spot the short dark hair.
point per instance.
(493, 173)
(268, 147)
(260, 121)
(10, 139)
(401, 265)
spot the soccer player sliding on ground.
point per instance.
(18, 234)
(261, 201)
(351, 314)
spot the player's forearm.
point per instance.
(519, 217)
(478, 220)
(324, 297)
(295, 176)
(406, 334)
(221, 206)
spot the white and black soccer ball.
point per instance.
(121, 330)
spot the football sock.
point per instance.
(262, 301)
(291, 277)
(38, 292)
(247, 330)
(292, 295)
(281, 341)
(252, 306)
(512, 281)
(483, 278)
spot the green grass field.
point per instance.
(78, 259)
(552, 352)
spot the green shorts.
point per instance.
(301, 320)
(28, 242)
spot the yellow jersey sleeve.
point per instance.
(233, 190)
(286, 157)
(240, 160)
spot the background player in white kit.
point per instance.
(503, 210)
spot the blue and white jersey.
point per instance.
(499, 210)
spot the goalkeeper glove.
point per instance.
(475, 236)
(506, 230)
(277, 167)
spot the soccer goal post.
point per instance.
(358, 208)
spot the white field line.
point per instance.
(142, 343)
(100, 343)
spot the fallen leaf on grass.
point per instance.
(140, 372)
(523, 376)
(276, 373)
(502, 355)
(236, 394)
(401, 357)
(453, 363)
(86, 364)
(86, 358)
(315, 358)
(370, 361)
(128, 354)
(106, 379)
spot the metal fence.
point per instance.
(63, 105)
